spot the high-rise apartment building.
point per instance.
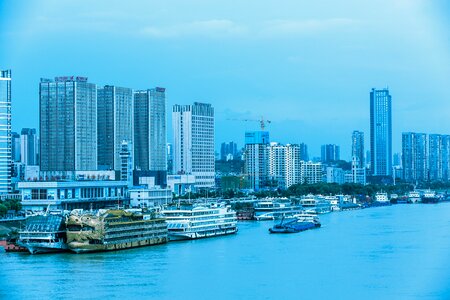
(193, 147)
(5, 131)
(438, 157)
(330, 153)
(414, 156)
(446, 157)
(150, 134)
(284, 165)
(312, 172)
(256, 158)
(358, 148)
(294, 174)
(114, 124)
(28, 147)
(68, 124)
(304, 152)
(277, 165)
(380, 132)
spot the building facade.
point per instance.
(5, 132)
(438, 158)
(312, 172)
(380, 133)
(15, 147)
(358, 148)
(330, 153)
(256, 157)
(68, 195)
(68, 124)
(228, 151)
(304, 152)
(277, 165)
(150, 133)
(193, 146)
(293, 164)
(114, 124)
(414, 156)
(29, 147)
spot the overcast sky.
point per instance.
(308, 66)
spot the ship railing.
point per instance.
(138, 227)
(108, 235)
(133, 239)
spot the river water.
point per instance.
(397, 252)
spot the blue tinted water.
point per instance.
(397, 252)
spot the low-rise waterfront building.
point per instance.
(335, 175)
(181, 184)
(68, 195)
(143, 197)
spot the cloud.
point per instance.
(268, 29)
(303, 27)
(208, 28)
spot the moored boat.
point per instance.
(430, 196)
(274, 210)
(299, 223)
(44, 233)
(107, 230)
(413, 197)
(193, 222)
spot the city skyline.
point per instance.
(235, 44)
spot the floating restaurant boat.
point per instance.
(193, 222)
(114, 230)
(299, 223)
(274, 210)
(316, 204)
(44, 233)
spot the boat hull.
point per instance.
(179, 236)
(83, 247)
(430, 200)
(41, 248)
(293, 228)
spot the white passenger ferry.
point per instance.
(193, 222)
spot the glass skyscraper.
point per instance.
(150, 152)
(5, 131)
(68, 124)
(380, 133)
(115, 124)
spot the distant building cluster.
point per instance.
(274, 165)
(103, 133)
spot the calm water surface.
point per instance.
(397, 252)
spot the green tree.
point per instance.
(3, 210)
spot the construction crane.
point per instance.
(262, 122)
